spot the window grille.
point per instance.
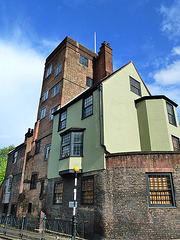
(160, 190)
(87, 191)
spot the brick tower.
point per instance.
(69, 70)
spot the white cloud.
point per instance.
(176, 50)
(21, 76)
(169, 75)
(171, 20)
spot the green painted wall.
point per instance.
(121, 131)
(155, 129)
(93, 152)
(143, 126)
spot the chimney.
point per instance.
(103, 64)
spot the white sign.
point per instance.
(73, 204)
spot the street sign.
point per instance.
(73, 204)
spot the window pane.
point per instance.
(58, 191)
(88, 106)
(58, 69)
(176, 144)
(160, 190)
(88, 191)
(66, 139)
(83, 60)
(135, 86)
(171, 115)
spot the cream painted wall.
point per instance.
(155, 130)
(121, 131)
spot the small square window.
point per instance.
(15, 157)
(160, 190)
(43, 113)
(89, 82)
(55, 89)
(83, 60)
(34, 178)
(135, 86)
(87, 106)
(87, 191)
(58, 69)
(47, 150)
(62, 120)
(58, 192)
(38, 146)
(171, 115)
(52, 111)
(176, 144)
(45, 95)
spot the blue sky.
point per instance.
(146, 32)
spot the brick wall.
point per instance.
(127, 214)
(121, 209)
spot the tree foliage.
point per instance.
(3, 161)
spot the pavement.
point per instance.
(14, 234)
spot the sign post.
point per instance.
(74, 205)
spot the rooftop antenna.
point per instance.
(95, 42)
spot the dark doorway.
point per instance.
(13, 209)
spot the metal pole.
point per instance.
(74, 220)
(7, 215)
(44, 227)
(22, 227)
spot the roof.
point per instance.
(93, 88)
(156, 97)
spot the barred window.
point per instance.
(171, 115)
(62, 120)
(87, 106)
(176, 144)
(87, 191)
(83, 60)
(135, 86)
(58, 192)
(160, 190)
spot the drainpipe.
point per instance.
(101, 117)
